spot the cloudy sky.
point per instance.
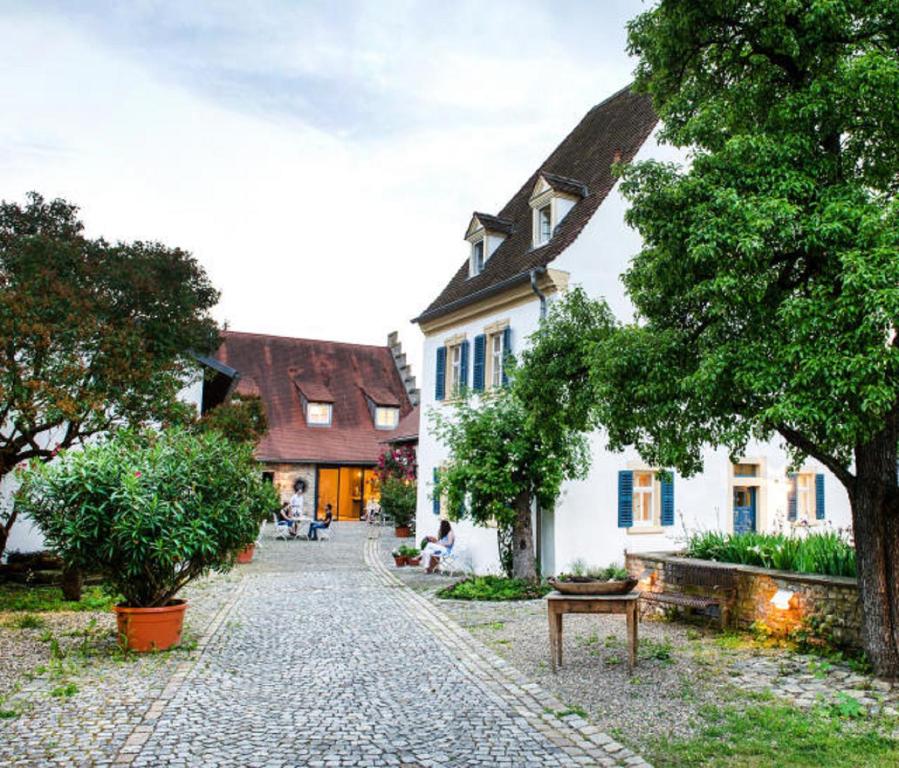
(320, 159)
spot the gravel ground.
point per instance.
(681, 667)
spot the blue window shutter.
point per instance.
(463, 367)
(440, 383)
(791, 498)
(668, 500)
(480, 354)
(625, 499)
(435, 508)
(507, 351)
(819, 497)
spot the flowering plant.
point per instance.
(399, 463)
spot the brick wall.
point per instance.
(832, 598)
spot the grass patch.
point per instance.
(494, 588)
(753, 735)
(655, 650)
(64, 691)
(17, 598)
(582, 713)
(26, 621)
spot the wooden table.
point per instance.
(558, 604)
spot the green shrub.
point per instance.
(150, 511)
(398, 500)
(580, 570)
(826, 553)
(494, 588)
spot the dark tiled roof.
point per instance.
(276, 363)
(494, 223)
(620, 124)
(380, 395)
(564, 184)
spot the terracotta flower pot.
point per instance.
(151, 629)
(413, 560)
(400, 560)
(246, 555)
(402, 531)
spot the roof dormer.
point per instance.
(551, 200)
(485, 233)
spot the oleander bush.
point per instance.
(150, 511)
(827, 553)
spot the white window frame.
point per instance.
(641, 491)
(314, 422)
(476, 268)
(454, 369)
(394, 413)
(806, 498)
(496, 359)
(543, 237)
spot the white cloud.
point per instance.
(320, 160)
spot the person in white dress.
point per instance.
(437, 546)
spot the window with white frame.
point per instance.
(477, 257)
(496, 360)
(318, 414)
(454, 369)
(644, 498)
(387, 417)
(544, 224)
(805, 496)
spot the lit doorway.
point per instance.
(347, 490)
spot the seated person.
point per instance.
(437, 546)
(282, 517)
(317, 525)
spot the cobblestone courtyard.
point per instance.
(313, 655)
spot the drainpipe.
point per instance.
(540, 295)
(538, 513)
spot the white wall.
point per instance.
(584, 523)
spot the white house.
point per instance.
(565, 226)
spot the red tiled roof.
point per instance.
(276, 363)
(613, 131)
(380, 395)
(407, 430)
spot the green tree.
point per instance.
(92, 334)
(241, 419)
(500, 465)
(767, 287)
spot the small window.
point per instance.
(746, 470)
(805, 496)
(644, 486)
(496, 360)
(387, 417)
(544, 224)
(318, 414)
(477, 258)
(455, 368)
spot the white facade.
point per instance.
(584, 524)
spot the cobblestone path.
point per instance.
(320, 657)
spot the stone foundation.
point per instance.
(832, 599)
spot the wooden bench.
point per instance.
(679, 577)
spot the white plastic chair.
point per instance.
(281, 531)
(453, 561)
(325, 534)
(261, 536)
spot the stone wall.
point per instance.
(287, 474)
(832, 599)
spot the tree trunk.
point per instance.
(524, 564)
(6, 525)
(875, 522)
(72, 581)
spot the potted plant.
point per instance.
(150, 512)
(413, 556)
(584, 580)
(399, 557)
(398, 497)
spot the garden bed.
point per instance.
(495, 588)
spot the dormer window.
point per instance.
(485, 234)
(477, 257)
(551, 200)
(544, 224)
(387, 417)
(318, 414)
